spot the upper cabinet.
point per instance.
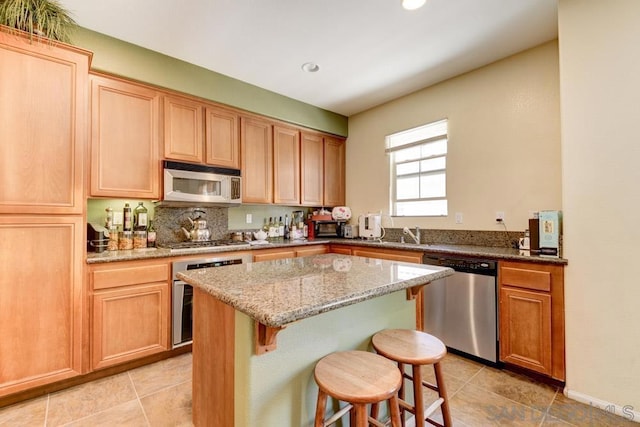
(183, 129)
(311, 169)
(286, 165)
(256, 148)
(198, 132)
(334, 172)
(43, 133)
(124, 139)
(222, 142)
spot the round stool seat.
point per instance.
(409, 346)
(358, 376)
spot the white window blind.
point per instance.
(418, 160)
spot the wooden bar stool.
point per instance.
(358, 378)
(416, 348)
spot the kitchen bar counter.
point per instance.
(319, 304)
(276, 293)
(495, 253)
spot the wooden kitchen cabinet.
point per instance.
(286, 165)
(531, 323)
(334, 172)
(222, 142)
(388, 254)
(183, 129)
(43, 135)
(311, 250)
(339, 249)
(42, 300)
(124, 139)
(311, 169)
(272, 254)
(130, 311)
(256, 152)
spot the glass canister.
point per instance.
(112, 244)
(139, 239)
(125, 240)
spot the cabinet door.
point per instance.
(286, 166)
(271, 254)
(334, 172)
(256, 151)
(183, 129)
(311, 169)
(124, 139)
(342, 250)
(312, 250)
(222, 146)
(43, 132)
(129, 323)
(404, 256)
(525, 329)
(41, 300)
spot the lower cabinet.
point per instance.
(532, 317)
(42, 319)
(388, 254)
(290, 252)
(130, 311)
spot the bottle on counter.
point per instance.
(151, 235)
(272, 229)
(140, 217)
(280, 229)
(109, 221)
(287, 231)
(127, 224)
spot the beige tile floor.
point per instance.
(160, 395)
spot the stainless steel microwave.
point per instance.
(187, 182)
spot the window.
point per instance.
(418, 160)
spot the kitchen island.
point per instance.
(260, 328)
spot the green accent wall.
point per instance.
(124, 59)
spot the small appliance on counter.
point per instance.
(370, 226)
(350, 231)
(328, 228)
(97, 238)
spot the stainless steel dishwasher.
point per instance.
(461, 309)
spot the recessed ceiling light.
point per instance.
(310, 67)
(413, 4)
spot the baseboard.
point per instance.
(627, 411)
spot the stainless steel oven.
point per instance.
(182, 313)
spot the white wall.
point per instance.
(600, 93)
(504, 150)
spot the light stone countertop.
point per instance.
(276, 293)
(489, 252)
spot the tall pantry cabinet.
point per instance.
(43, 137)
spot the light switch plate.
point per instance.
(249, 219)
(459, 218)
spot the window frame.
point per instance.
(391, 150)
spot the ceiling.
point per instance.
(369, 51)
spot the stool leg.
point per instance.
(374, 410)
(321, 407)
(394, 410)
(442, 391)
(360, 410)
(418, 400)
(401, 393)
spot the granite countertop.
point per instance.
(276, 293)
(490, 252)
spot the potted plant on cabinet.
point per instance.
(43, 18)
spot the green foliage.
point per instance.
(46, 18)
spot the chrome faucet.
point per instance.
(415, 237)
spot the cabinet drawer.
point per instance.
(124, 276)
(524, 278)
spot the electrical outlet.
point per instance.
(458, 217)
(117, 218)
(499, 217)
(249, 219)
